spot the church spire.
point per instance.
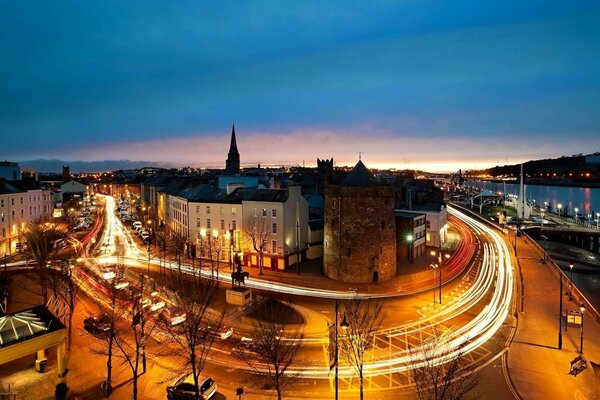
(232, 165)
(233, 144)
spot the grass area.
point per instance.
(493, 211)
(274, 310)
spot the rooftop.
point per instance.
(360, 176)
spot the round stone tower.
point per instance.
(360, 229)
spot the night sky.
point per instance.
(418, 84)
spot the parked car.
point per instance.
(97, 323)
(184, 388)
(172, 316)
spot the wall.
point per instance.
(360, 233)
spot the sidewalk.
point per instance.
(536, 367)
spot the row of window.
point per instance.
(264, 211)
(233, 225)
(12, 201)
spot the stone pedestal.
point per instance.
(241, 297)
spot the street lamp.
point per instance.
(542, 225)
(434, 267)
(440, 258)
(344, 324)
(582, 309)
(571, 283)
(559, 206)
(409, 240)
(576, 212)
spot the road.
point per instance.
(475, 308)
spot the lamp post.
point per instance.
(559, 206)
(597, 219)
(409, 240)
(571, 282)
(560, 308)
(582, 309)
(230, 234)
(576, 213)
(440, 263)
(434, 267)
(344, 324)
(542, 224)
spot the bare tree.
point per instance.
(273, 348)
(178, 241)
(132, 346)
(107, 342)
(39, 237)
(364, 318)
(438, 371)
(195, 336)
(256, 230)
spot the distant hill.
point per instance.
(54, 165)
(569, 169)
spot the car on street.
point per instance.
(172, 316)
(184, 388)
(97, 323)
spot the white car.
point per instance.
(184, 388)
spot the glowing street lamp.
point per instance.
(344, 325)
(571, 283)
(559, 206)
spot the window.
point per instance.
(274, 246)
(221, 211)
(428, 224)
(233, 224)
(222, 224)
(274, 213)
(233, 211)
(21, 200)
(274, 228)
(12, 202)
(208, 223)
(264, 212)
(208, 209)
(197, 222)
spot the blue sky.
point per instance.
(421, 83)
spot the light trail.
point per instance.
(495, 276)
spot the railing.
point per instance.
(560, 274)
(556, 270)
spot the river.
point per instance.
(586, 199)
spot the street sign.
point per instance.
(574, 318)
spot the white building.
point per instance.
(213, 217)
(71, 188)
(20, 206)
(436, 223)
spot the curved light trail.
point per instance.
(494, 284)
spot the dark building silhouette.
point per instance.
(66, 175)
(360, 230)
(324, 174)
(232, 165)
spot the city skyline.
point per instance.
(420, 86)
